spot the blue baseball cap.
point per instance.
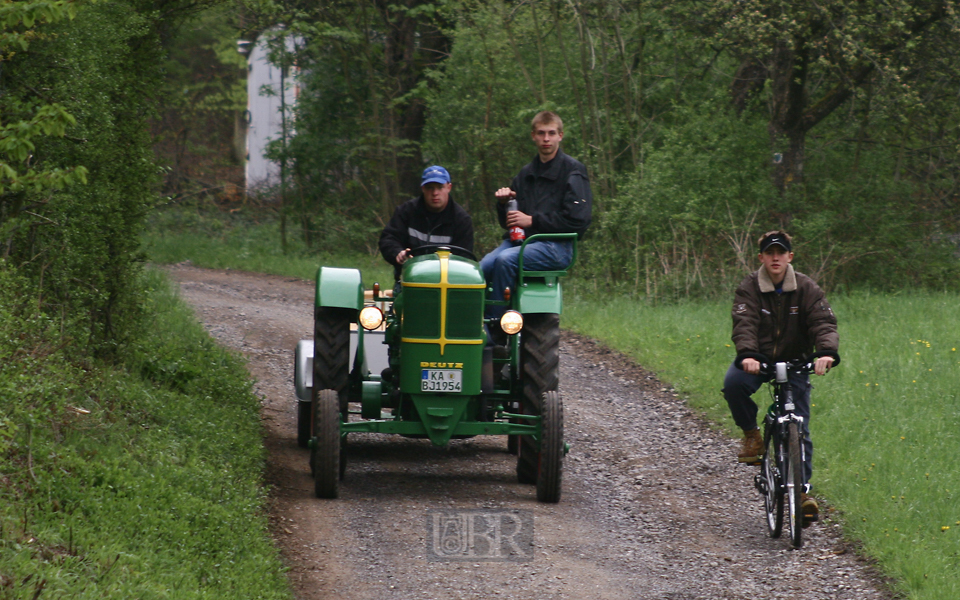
(434, 174)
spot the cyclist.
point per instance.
(784, 315)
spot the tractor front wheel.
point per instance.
(326, 450)
(550, 467)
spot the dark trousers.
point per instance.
(739, 386)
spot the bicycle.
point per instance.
(781, 468)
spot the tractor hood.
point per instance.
(432, 267)
(441, 322)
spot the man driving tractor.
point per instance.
(430, 218)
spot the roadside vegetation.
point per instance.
(131, 463)
(137, 479)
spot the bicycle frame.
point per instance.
(781, 479)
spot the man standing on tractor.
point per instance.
(430, 218)
(552, 195)
(783, 315)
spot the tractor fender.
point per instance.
(540, 296)
(303, 370)
(339, 288)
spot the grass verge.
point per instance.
(140, 480)
(247, 240)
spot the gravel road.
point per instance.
(654, 505)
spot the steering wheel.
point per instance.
(431, 248)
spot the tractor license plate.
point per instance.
(432, 380)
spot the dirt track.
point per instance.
(653, 505)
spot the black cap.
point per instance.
(778, 239)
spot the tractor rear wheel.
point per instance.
(540, 373)
(550, 467)
(326, 450)
(331, 358)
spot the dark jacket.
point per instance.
(412, 226)
(783, 326)
(556, 194)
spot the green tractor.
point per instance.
(421, 364)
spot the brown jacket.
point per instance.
(783, 326)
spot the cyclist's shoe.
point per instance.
(809, 509)
(751, 448)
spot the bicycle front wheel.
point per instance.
(772, 484)
(794, 483)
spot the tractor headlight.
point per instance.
(371, 317)
(511, 322)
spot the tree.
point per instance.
(813, 56)
(22, 121)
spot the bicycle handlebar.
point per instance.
(798, 364)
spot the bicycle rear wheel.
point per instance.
(773, 485)
(794, 483)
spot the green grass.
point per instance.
(141, 480)
(885, 422)
(248, 240)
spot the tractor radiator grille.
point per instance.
(464, 314)
(424, 322)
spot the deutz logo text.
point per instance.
(441, 365)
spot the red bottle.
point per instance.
(517, 234)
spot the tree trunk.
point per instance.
(411, 47)
(787, 128)
(558, 24)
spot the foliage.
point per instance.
(685, 114)
(364, 68)
(129, 481)
(78, 246)
(22, 120)
(198, 127)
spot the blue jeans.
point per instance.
(500, 266)
(738, 386)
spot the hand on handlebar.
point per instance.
(822, 365)
(751, 365)
(403, 256)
